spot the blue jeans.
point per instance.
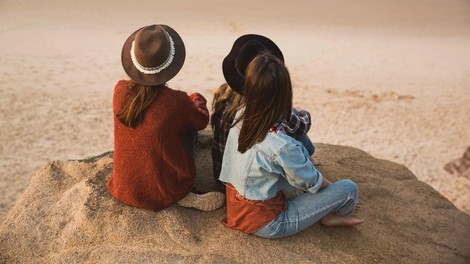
(304, 210)
(306, 142)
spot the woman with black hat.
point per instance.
(261, 161)
(155, 127)
(228, 98)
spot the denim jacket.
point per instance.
(278, 163)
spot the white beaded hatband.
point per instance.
(153, 70)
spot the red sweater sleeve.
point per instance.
(198, 114)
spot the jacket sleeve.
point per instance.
(195, 111)
(298, 169)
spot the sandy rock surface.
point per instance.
(66, 215)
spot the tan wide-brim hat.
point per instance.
(153, 55)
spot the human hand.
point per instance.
(324, 183)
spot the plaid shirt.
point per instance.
(299, 124)
(220, 133)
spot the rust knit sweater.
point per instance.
(151, 169)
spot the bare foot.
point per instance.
(316, 161)
(332, 220)
(358, 206)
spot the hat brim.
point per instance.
(157, 78)
(232, 75)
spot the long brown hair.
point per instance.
(133, 109)
(268, 99)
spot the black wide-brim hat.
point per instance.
(153, 55)
(244, 50)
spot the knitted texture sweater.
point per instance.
(152, 169)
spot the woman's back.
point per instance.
(152, 168)
(268, 167)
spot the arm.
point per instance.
(298, 169)
(299, 122)
(196, 112)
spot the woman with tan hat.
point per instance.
(155, 127)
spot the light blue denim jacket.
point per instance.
(278, 163)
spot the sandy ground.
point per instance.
(390, 78)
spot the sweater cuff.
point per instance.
(198, 98)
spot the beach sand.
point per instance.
(390, 78)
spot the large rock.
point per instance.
(66, 215)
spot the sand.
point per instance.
(390, 78)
